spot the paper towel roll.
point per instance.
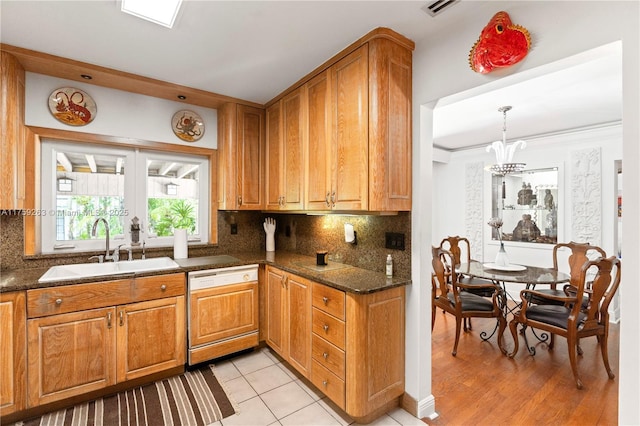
(180, 244)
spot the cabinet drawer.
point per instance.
(328, 355)
(330, 384)
(158, 286)
(329, 300)
(329, 328)
(77, 297)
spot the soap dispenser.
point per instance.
(389, 269)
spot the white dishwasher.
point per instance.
(222, 312)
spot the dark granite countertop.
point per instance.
(341, 276)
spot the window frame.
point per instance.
(135, 195)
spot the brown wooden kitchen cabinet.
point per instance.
(241, 156)
(288, 305)
(13, 352)
(358, 127)
(318, 175)
(86, 337)
(285, 153)
(15, 144)
(357, 340)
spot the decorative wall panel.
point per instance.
(474, 178)
(586, 196)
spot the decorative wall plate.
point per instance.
(72, 106)
(187, 125)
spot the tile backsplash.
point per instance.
(303, 234)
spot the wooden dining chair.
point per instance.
(460, 249)
(453, 297)
(569, 319)
(579, 254)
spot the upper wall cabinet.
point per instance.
(284, 181)
(241, 156)
(357, 127)
(390, 125)
(14, 144)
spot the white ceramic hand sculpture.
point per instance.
(270, 228)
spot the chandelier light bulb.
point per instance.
(504, 152)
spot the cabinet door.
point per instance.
(350, 166)
(250, 142)
(292, 150)
(276, 311)
(299, 301)
(71, 354)
(390, 133)
(13, 134)
(13, 353)
(318, 143)
(151, 337)
(221, 312)
(273, 154)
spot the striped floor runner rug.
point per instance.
(194, 398)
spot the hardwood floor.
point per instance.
(480, 386)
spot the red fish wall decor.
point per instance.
(501, 44)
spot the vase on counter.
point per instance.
(501, 257)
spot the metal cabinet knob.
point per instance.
(58, 301)
(325, 355)
(325, 300)
(163, 287)
(325, 383)
(326, 327)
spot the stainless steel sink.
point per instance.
(89, 270)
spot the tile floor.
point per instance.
(267, 392)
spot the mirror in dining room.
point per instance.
(528, 204)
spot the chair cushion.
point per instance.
(552, 314)
(472, 302)
(484, 292)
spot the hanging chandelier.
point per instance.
(504, 152)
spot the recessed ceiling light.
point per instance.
(161, 12)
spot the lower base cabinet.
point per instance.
(355, 341)
(76, 345)
(13, 352)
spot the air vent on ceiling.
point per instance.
(438, 6)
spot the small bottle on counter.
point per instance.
(389, 270)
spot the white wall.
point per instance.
(559, 29)
(541, 152)
(120, 113)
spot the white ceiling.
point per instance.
(253, 50)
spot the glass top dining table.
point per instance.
(529, 275)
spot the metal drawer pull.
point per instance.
(325, 383)
(325, 355)
(325, 300)
(326, 327)
(58, 301)
(121, 318)
(163, 287)
(108, 319)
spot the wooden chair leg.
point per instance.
(605, 354)
(455, 344)
(513, 327)
(433, 316)
(572, 346)
(503, 325)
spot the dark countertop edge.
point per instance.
(28, 278)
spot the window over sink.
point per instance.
(81, 183)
